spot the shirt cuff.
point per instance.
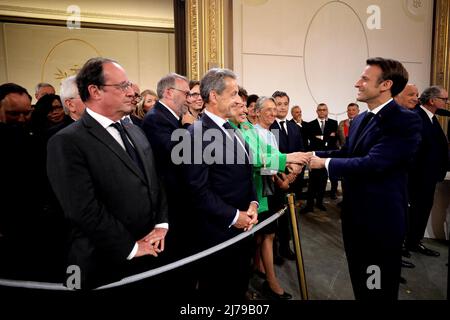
(235, 218)
(133, 252)
(163, 225)
(327, 163)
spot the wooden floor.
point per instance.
(326, 265)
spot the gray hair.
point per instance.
(430, 93)
(68, 90)
(214, 79)
(168, 81)
(261, 101)
(42, 85)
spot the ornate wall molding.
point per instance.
(441, 59)
(206, 34)
(86, 16)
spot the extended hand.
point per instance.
(317, 163)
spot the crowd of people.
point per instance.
(117, 181)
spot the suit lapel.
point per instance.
(169, 116)
(103, 136)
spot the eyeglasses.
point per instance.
(124, 86)
(322, 110)
(443, 99)
(137, 97)
(186, 93)
(194, 95)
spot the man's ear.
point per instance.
(94, 92)
(386, 85)
(212, 96)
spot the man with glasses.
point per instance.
(322, 136)
(168, 115)
(429, 167)
(117, 212)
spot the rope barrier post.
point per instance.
(298, 249)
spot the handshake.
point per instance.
(297, 160)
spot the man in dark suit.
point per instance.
(373, 164)
(322, 136)
(103, 174)
(296, 113)
(429, 167)
(221, 189)
(22, 216)
(167, 116)
(289, 140)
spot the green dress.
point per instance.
(263, 156)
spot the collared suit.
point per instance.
(292, 142)
(429, 167)
(374, 167)
(320, 141)
(220, 182)
(109, 202)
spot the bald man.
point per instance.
(409, 97)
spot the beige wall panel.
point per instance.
(171, 52)
(3, 76)
(46, 53)
(150, 13)
(154, 54)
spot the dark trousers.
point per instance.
(368, 259)
(224, 275)
(421, 200)
(317, 185)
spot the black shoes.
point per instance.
(406, 264)
(406, 253)
(424, 250)
(307, 209)
(260, 274)
(278, 260)
(321, 207)
(273, 295)
(288, 254)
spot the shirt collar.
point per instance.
(322, 119)
(171, 111)
(104, 121)
(377, 109)
(217, 120)
(279, 120)
(429, 113)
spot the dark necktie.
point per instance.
(283, 130)
(322, 126)
(128, 146)
(364, 123)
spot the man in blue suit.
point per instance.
(219, 178)
(430, 167)
(290, 139)
(373, 165)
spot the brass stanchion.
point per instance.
(298, 249)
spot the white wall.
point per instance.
(316, 50)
